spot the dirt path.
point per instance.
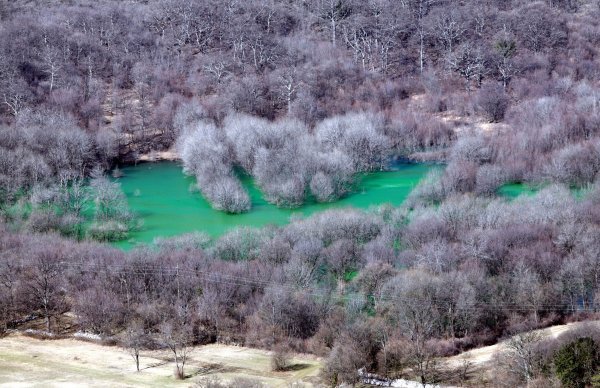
(483, 356)
(28, 362)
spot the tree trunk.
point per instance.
(333, 30)
(178, 369)
(47, 315)
(421, 50)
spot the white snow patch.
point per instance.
(372, 379)
(88, 336)
(401, 383)
(39, 332)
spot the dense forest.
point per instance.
(303, 96)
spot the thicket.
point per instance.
(287, 160)
(128, 79)
(430, 281)
(570, 360)
(302, 96)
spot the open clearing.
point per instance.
(29, 362)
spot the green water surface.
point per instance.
(164, 198)
(514, 190)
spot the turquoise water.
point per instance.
(165, 199)
(513, 190)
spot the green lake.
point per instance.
(165, 199)
(514, 190)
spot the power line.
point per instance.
(212, 277)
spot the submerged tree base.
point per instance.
(168, 208)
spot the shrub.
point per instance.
(206, 155)
(492, 102)
(321, 187)
(108, 231)
(489, 179)
(280, 359)
(577, 362)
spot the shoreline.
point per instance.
(132, 159)
(155, 156)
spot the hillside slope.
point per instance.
(29, 362)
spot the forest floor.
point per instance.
(29, 362)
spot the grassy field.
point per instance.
(28, 362)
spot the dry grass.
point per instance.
(481, 360)
(28, 362)
(485, 354)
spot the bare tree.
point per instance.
(333, 12)
(206, 155)
(449, 28)
(506, 68)
(52, 64)
(469, 62)
(135, 339)
(178, 338)
(521, 358)
(414, 309)
(15, 94)
(419, 9)
(43, 285)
